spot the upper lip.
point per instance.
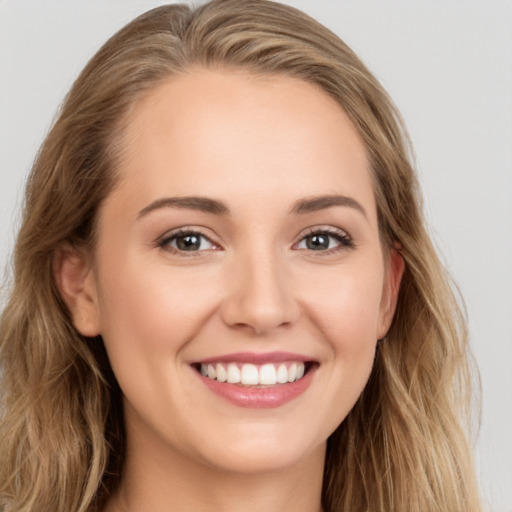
(256, 358)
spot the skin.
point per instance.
(258, 145)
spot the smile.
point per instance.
(257, 380)
(248, 374)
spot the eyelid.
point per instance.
(164, 240)
(345, 239)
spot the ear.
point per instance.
(394, 272)
(75, 280)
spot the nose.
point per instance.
(260, 296)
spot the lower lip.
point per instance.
(260, 398)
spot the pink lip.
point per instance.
(260, 398)
(256, 358)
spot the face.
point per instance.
(241, 243)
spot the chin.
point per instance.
(269, 450)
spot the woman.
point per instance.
(224, 294)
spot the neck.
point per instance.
(166, 481)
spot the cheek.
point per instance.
(350, 324)
(347, 316)
(148, 318)
(145, 310)
(345, 305)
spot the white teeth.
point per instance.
(282, 374)
(300, 371)
(292, 372)
(252, 375)
(268, 374)
(249, 375)
(221, 373)
(233, 374)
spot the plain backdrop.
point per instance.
(448, 66)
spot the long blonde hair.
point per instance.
(404, 446)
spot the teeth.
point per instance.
(249, 375)
(233, 374)
(222, 375)
(252, 375)
(268, 374)
(292, 372)
(282, 374)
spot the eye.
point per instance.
(187, 241)
(326, 240)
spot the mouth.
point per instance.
(255, 375)
(257, 380)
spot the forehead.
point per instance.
(221, 132)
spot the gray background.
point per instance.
(447, 64)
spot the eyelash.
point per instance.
(344, 240)
(167, 239)
(342, 237)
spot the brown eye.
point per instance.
(187, 241)
(324, 241)
(318, 242)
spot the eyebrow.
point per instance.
(207, 205)
(314, 204)
(203, 204)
